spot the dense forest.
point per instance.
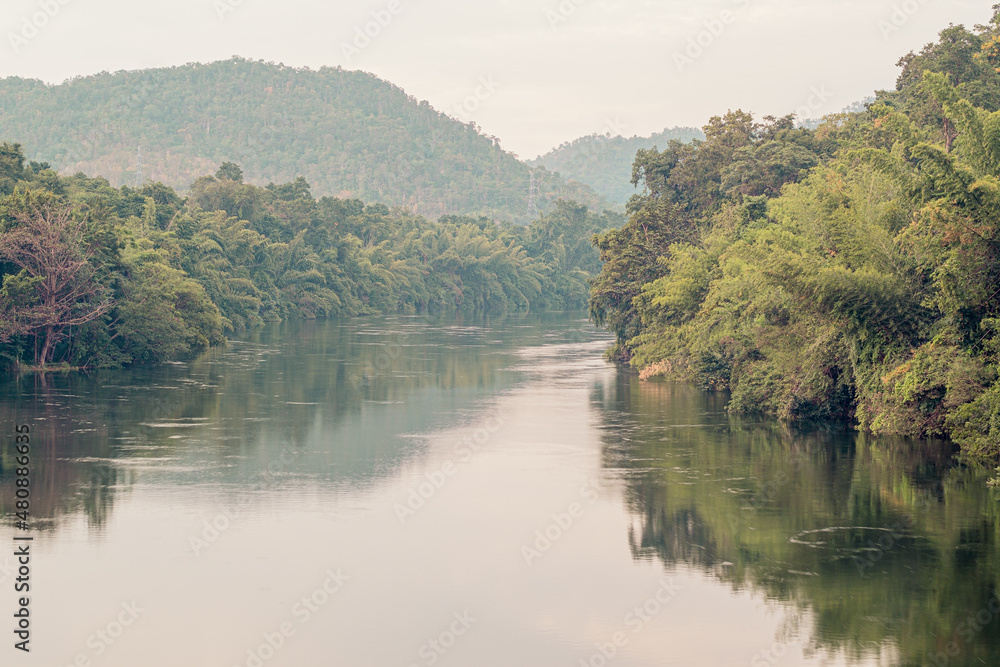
(349, 133)
(97, 276)
(604, 162)
(850, 271)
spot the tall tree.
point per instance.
(51, 249)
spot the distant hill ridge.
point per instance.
(349, 133)
(605, 163)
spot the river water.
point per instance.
(405, 491)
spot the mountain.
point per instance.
(605, 163)
(349, 133)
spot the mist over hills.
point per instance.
(348, 133)
(605, 163)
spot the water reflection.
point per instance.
(888, 543)
(868, 551)
(336, 397)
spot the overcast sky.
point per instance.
(534, 73)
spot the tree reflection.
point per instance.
(336, 394)
(890, 544)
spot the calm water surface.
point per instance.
(399, 492)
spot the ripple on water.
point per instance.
(850, 540)
(171, 424)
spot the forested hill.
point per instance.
(348, 133)
(605, 163)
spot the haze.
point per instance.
(534, 74)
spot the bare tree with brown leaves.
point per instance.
(51, 249)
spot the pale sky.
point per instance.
(546, 71)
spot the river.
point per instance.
(404, 491)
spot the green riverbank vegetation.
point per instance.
(850, 272)
(95, 276)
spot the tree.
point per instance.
(50, 248)
(229, 171)
(11, 166)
